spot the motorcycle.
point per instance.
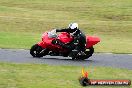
(45, 47)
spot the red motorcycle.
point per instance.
(45, 47)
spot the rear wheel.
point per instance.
(73, 54)
(89, 52)
(37, 51)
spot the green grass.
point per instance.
(16, 40)
(23, 21)
(47, 76)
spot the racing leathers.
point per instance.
(78, 43)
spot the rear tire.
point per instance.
(75, 56)
(35, 51)
(88, 53)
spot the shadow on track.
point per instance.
(57, 60)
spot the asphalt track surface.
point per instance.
(98, 59)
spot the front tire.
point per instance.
(35, 51)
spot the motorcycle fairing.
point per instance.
(91, 40)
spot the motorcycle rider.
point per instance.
(79, 42)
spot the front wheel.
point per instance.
(36, 50)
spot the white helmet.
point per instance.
(73, 25)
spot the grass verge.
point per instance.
(47, 76)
